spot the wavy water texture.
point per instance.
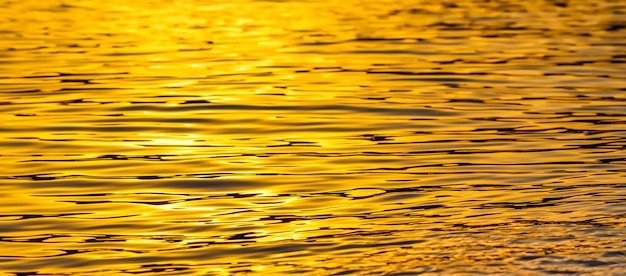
(352, 137)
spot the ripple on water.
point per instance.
(387, 138)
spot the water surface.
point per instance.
(343, 137)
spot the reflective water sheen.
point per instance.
(343, 137)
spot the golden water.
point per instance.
(340, 137)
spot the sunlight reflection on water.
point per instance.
(313, 137)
